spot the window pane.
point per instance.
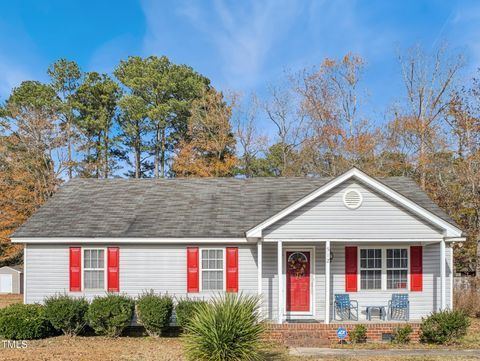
(94, 279)
(86, 258)
(399, 258)
(93, 258)
(371, 280)
(212, 280)
(205, 280)
(101, 258)
(371, 258)
(397, 279)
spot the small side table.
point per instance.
(381, 310)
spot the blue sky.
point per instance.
(240, 45)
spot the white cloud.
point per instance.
(240, 35)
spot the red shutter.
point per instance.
(351, 261)
(192, 269)
(416, 268)
(232, 269)
(113, 261)
(75, 269)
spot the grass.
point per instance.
(65, 348)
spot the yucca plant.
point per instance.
(227, 329)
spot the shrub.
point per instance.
(358, 334)
(444, 327)
(110, 315)
(402, 334)
(185, 311)
(154, 312)
(24, 322)
(67, 314)
(227, 329)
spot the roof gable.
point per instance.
(327, 217)
(449, 229)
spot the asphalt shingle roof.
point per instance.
(199, 207)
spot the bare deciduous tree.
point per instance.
(428, 82)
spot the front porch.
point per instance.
(306, 295)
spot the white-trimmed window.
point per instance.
(371, 269)
(93, 269)
(212, 269)
(397, 268)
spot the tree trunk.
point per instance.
(421, 159)
(162, 159)
(477, 271)
(138, 154)
(106, 146)
(69, 151)
(477, 268)
(98, 156)
(157, 152)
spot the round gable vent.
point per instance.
(352, 198)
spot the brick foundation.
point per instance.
(319, 334)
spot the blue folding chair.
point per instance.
(399, 307)
(343, 307)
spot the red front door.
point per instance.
(298, 281)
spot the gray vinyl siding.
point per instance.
(421, 303)
(161, 268)
(328, 218)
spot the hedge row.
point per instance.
(111, 314)
(108, 315)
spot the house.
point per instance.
(11, 279)
(297, 242)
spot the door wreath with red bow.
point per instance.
(297, 263)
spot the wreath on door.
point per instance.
(297, 262)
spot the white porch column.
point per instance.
(280, 280)
(259, 266)
(327, 282)
(443, 298)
